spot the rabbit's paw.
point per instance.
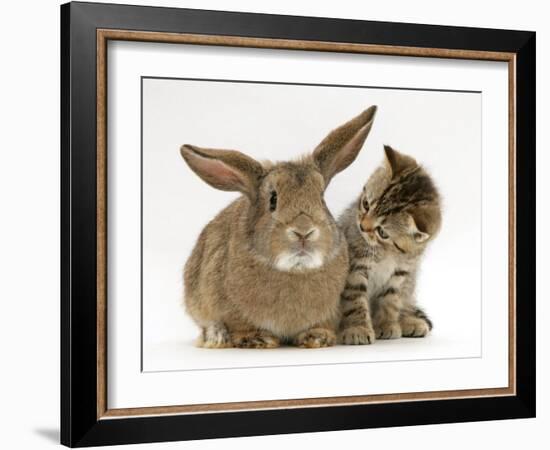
(254, 339)
(214, 336)
(316, 338)
(358, 335)
(388, 330)
(414, 327)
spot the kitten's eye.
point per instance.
(366, 205)
(382, 233)
(273, 201)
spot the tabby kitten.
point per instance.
(387, 230)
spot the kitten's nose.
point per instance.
(366, 224)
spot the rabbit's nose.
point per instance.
(309, 235)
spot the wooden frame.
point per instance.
(86, 419)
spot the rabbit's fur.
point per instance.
(270, 267)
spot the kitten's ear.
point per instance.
(420, 237)
(416, 233)
(340, 148)
(424, 223)
(398, 162)
(227, 170)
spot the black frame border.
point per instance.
(79, 423)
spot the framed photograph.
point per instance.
(276, 224)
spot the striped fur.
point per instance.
(378, 301)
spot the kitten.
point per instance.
(387, 230)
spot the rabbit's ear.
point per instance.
(227, 170)
(340, 148)
(398, 162)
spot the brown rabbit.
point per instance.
(270, 267)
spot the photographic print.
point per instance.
(325, 238)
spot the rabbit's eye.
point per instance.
(273, 201)
(366, 205)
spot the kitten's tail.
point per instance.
(418, 312)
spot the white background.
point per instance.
(441, 129)
(29, 174)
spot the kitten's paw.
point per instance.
(359, 335)
(214, 336)
(414, 327)
(388, 330)
(255, 339)
(315, 338)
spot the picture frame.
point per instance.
(86, 29)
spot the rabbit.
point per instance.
(269, 268)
